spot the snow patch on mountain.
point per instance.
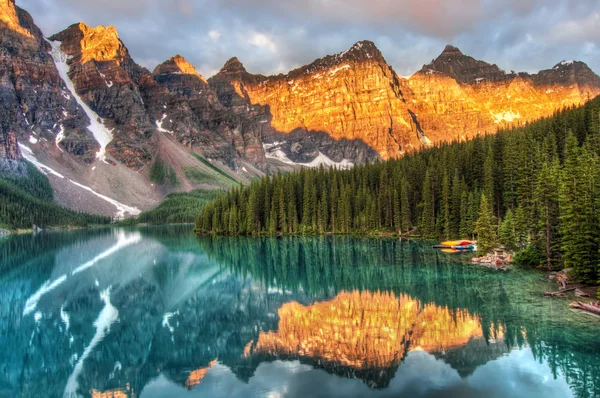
(273, 151)
(30, 157)
(59, 137)
(101, 134)
(122, 209)
(338, 69)
(507, 116)
(159, 125)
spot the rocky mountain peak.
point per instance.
(451, 51)
(101, 43)
(568, 64)
(463, 68)
(233, 66)
(9, 18)
(177, 65)
(568, 73)
(362, 50)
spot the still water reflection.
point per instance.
(155, 312)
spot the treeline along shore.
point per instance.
(534, 189)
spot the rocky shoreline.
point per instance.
(4, 232)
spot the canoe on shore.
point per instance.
(455, 243)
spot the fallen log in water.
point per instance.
(562, 291)
(593, 308)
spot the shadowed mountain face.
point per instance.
(33, 100)
(156, 312)
(88, 111)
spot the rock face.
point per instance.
(352, 96)
(10, 156)
(461, 97)
(183, 104)
(136, 104)
(355, 97)
(33, 98)
(9, 147)
(105, 78)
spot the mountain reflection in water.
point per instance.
(154, 312)
(368, 332)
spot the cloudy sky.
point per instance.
(273, 36)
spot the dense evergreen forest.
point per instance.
(28, 200)
(535, 189)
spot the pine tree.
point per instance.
(445, 213)
(507, 231)
(548, 208)
(578, 219)
(428, 210)
(455, 205)
(465, 229)
(521, 231)
(486, 228)
(405, 206)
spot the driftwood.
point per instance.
(562, 291)
(593, 308)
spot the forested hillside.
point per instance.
(533, 188)
(177, 208)
(27, 199)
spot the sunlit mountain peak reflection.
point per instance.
(117, 393)
(197, 375)
(365, 330)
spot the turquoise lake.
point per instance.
(156, 312)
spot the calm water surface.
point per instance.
(156, 312)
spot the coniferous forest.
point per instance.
(534, 189)
(27, 200)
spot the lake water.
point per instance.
(155, 312)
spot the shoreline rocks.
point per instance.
(499, 260)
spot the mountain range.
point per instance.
(114, 137)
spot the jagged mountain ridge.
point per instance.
(357, 95)
(467, 97)
(339, 110)
(354, 95)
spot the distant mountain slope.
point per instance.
(26, 196)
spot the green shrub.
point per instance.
(530, 257)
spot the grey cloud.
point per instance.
(524, 35)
